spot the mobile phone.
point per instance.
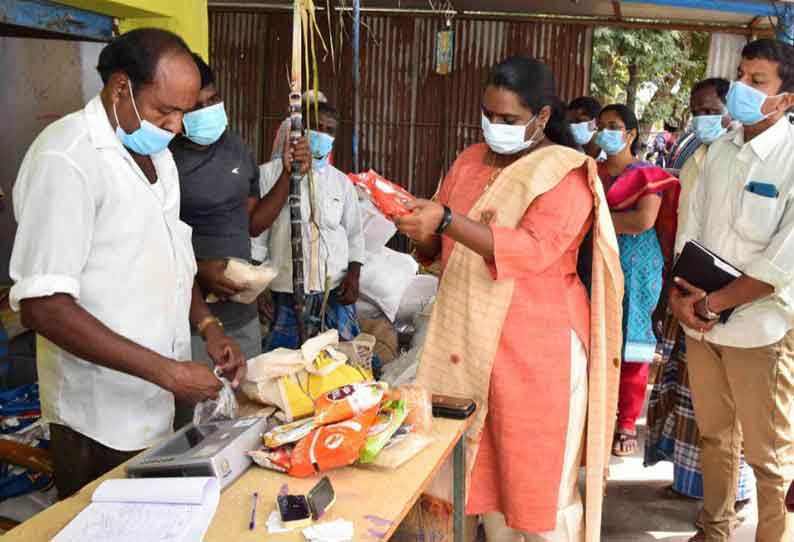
(298, 511)
(457, 408)
(321, 498)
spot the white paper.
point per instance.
(150, 509)
(274, 525)
(333, 531)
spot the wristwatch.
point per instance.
(710, 315)
(446, 220)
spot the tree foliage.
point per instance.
(625, 61)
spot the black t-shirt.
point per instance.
(215, 185)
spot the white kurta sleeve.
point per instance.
(55, 210)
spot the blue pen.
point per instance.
(252, 523)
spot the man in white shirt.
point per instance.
(742, 372)
(333, 242)
(104, 269)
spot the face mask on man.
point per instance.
(321, 145)
(148, 139)
(508, 138)
(582, 132)
(205, 126)
(708, 128)
(745, 102)
(611, 141)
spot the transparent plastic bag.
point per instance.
(224, 407)
(255, 279)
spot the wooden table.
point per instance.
(376, 501)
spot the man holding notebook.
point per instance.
(742, 371)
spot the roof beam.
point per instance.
(769, 9)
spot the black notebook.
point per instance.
(702, 268)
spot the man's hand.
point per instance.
(211, 278)
(192, 382)
(226, 354)
(347, 293)
(682, 303)
(300, 153)
(423, 221)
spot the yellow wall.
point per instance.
(187, 18)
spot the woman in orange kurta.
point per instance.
(524, 476)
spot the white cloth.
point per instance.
(281, 139)
(570, 511)
(752, 232)
(92, 226)
(689, 175)
(339, 220)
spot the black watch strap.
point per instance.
(446, 220)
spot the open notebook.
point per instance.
(146, 509)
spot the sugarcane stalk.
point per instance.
(296, 219)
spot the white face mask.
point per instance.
(507, 138)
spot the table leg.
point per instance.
(459, 490)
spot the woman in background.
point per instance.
(643, 201)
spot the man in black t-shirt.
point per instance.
(221, 201)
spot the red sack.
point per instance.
(332, 446)
(388, 197)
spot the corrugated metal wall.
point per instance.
(413, 121)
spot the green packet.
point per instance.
(390, 417)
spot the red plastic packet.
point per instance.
(279, 460)
(332, 446)
(388, 197)
(348, 401)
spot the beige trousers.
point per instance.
(745, 397)
(570, 512)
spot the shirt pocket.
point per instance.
(182, 243)
(332, 204)
(758, 216)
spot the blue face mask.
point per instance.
(611, 141)
(708, 128)
(205, 126)
(744, 103)
(148, 139)
(582, 132)
(321, 145)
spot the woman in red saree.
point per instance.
(643, 200)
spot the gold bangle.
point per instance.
(206, 322)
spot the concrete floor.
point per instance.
(636, 510)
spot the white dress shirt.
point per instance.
(337, 214)
(753, 232)
(92, 226)
(688, 177)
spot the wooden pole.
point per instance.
(356, 81)
(296, 219)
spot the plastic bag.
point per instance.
(390, 417)
(292, 379)
(332, 446)
(418, 406)
(348, 401)
(289, 433)
(255, 279)
(222, 408)
(388, 197)
(401, 449)
(279, 460)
